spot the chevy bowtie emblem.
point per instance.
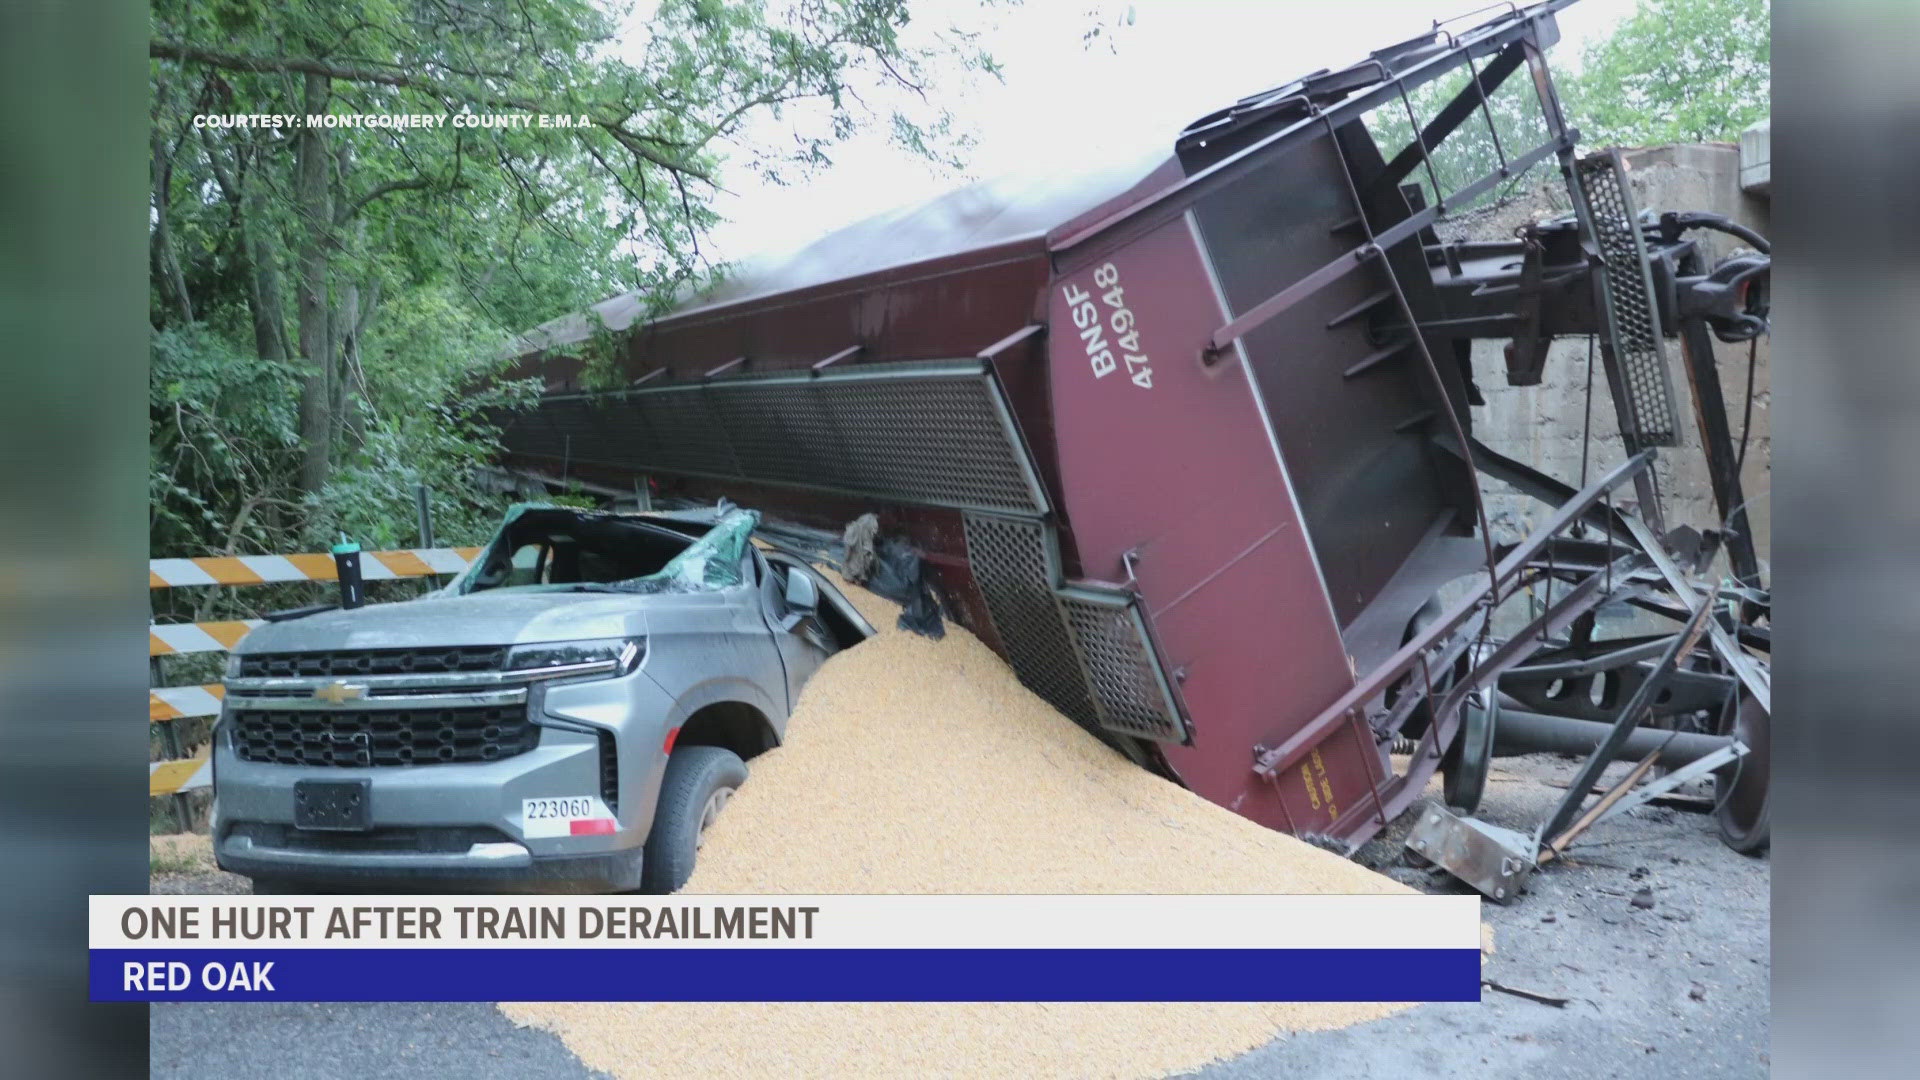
(337, 692)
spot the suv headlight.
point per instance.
(605, 657)
(233, 665)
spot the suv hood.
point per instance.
(486, 618)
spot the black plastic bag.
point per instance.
(891, 568)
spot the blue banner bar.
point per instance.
(784, 974)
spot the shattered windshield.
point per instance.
(712, 562)
(556, 549)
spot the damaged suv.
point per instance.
(568, 714)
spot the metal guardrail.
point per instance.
(182, 772)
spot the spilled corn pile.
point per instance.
(919, 766)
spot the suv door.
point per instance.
(803, 641)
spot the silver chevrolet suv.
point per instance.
(568, 714)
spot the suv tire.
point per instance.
(698, 783)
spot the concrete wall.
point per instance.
(1542, 424)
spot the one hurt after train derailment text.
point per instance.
(468, 922)
(784, 948)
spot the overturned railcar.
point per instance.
(1188, 442)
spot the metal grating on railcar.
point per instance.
(1015, 567)
(934, 434)
(1129, 683)
(1642, 381)
(1084, 649)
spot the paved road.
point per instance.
(214, 1041)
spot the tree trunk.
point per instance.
(314, 198)
(353, 366)
(166, 266)
(348, 316)
(256, 250)
(269, 313)
(346, 319)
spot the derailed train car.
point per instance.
(1189, 442)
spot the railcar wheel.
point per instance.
(1740, 791)
(1413, 683)
(1465, 764)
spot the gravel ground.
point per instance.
(182, 863)
(1678, 990)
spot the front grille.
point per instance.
(400, 736)
(373, 662)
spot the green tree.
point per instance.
(1675, 71)
(1508, 123)
(330, 301)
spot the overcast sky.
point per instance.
(1066, 105)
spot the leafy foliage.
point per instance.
(222, 426)
(332, 304)
(1676, 71)
(1502, 128)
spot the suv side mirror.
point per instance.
(803, 596)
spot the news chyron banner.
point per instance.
(785, 948)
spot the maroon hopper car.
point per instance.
(1188, 443)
